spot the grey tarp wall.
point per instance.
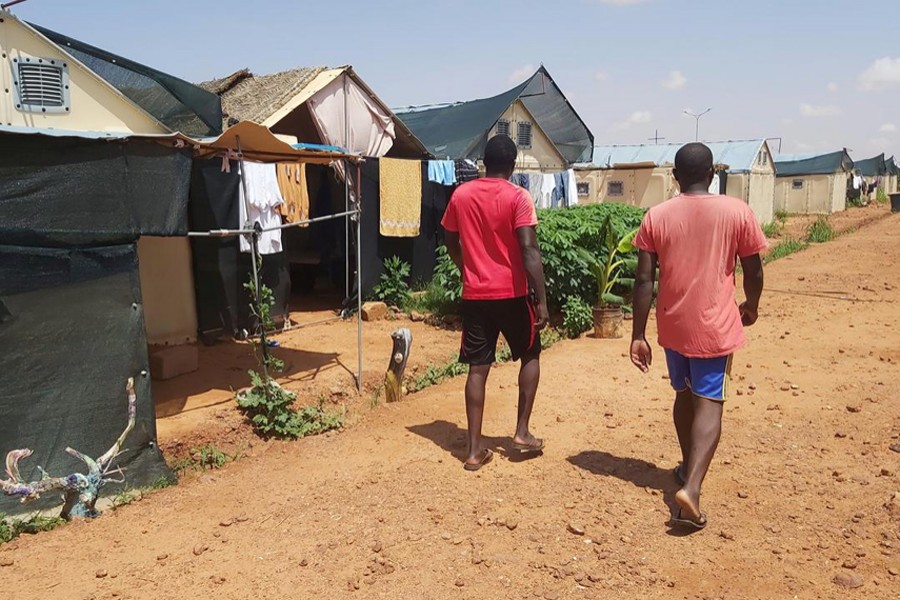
(71, 318)
(823, 164)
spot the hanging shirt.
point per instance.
(571, 188)
(292, 183)
(548, 184)
(466, 170)
(442, 172)
(558, 199)
(857, 182)
(714, 186)
(264, 199)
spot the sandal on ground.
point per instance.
(699, 524)
(536, 446)
(487, 457)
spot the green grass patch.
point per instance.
(11, 528)
(773, 229)
(785, 248)
(820, 231)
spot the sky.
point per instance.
(820, 75)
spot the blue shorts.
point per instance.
(705, 377)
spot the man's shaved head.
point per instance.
(694, 166)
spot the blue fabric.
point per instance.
(520, 179)
(559, 192)
(442, 172)
(320, 147)
(705, 377)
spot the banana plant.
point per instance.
(611, 265)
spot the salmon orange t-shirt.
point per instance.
(486, 213)
(698, 239)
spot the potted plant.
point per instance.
(609, 269)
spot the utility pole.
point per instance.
(697, 117)
(655, 139)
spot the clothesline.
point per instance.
(234, 232)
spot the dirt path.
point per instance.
(800, 492)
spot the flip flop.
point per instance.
(677, 473)
(529, 448)
(698, 525)
(488, 457)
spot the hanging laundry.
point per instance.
(571, 188)
(442, 172)
(466, 170)
(292, 183)
(548, 184)
(520, 179)
(261, 182)
(714, 185)
(559, 193)
(536, 186)
(400, 187)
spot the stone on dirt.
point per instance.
(374, 311)
(848, 580)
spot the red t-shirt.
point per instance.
(486, 213)
(698, 240)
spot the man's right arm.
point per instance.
(753, 287)
(531, 259)
(641, 354)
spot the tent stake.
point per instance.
(359, 350)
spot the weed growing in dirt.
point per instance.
(782, 216)
(11, 528)
(881, 196)
(772, 230)
(577, 317)
(393, 287)
(819, 231)
(785, 248)
(210, 457)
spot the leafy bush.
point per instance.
(772, 230)
(577, 317)
(270, 409)
(393, 286)
(444, 294)
(562, 233)
(785, 248)
(819, 231)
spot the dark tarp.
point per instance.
(824, 164)
(177, 104)
(57, 191)
(891, 166)
(460, 130)
(220, 268)
(72, 334)
(71, 322)
(871, 167)
(419, 251)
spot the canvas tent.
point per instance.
(72, 314)
(812, 183)
(641, 175)
(550, 134)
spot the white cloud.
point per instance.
(882, 74)
(636, 118)
(521, 74)
(809, 110)
(832, 87)
(675, 81)
(601, 76)
(888, 128)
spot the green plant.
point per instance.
(436, 374)
(881, 196)
(772, 230)
(784, 248)
(393, 286)
(11, 528)
(209, 457)
(577, 317)
(608, 266)
(819, 231)
(781, 216)
(549, 337)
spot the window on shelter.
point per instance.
(615, 188)
(41, 85)
(584, 188)
(523, 135)
(763, 158)
(797, 184)
(503, 128)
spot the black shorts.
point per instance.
(485, 320)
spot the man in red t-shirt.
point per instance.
(490, 225)
(696, 239)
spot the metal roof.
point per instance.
(738, 155)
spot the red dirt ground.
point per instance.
(802, 489)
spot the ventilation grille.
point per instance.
(503, 128)
(523, 139)
(42, 85)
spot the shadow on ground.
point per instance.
(451, 438)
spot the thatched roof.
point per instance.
(248, 97)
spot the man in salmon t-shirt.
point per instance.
(696, 239)
(490, 225)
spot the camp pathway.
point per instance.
(799, 496)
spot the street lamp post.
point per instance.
(697, 117)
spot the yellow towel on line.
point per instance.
(400, 186)
(292, 183)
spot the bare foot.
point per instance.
(690, 506)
